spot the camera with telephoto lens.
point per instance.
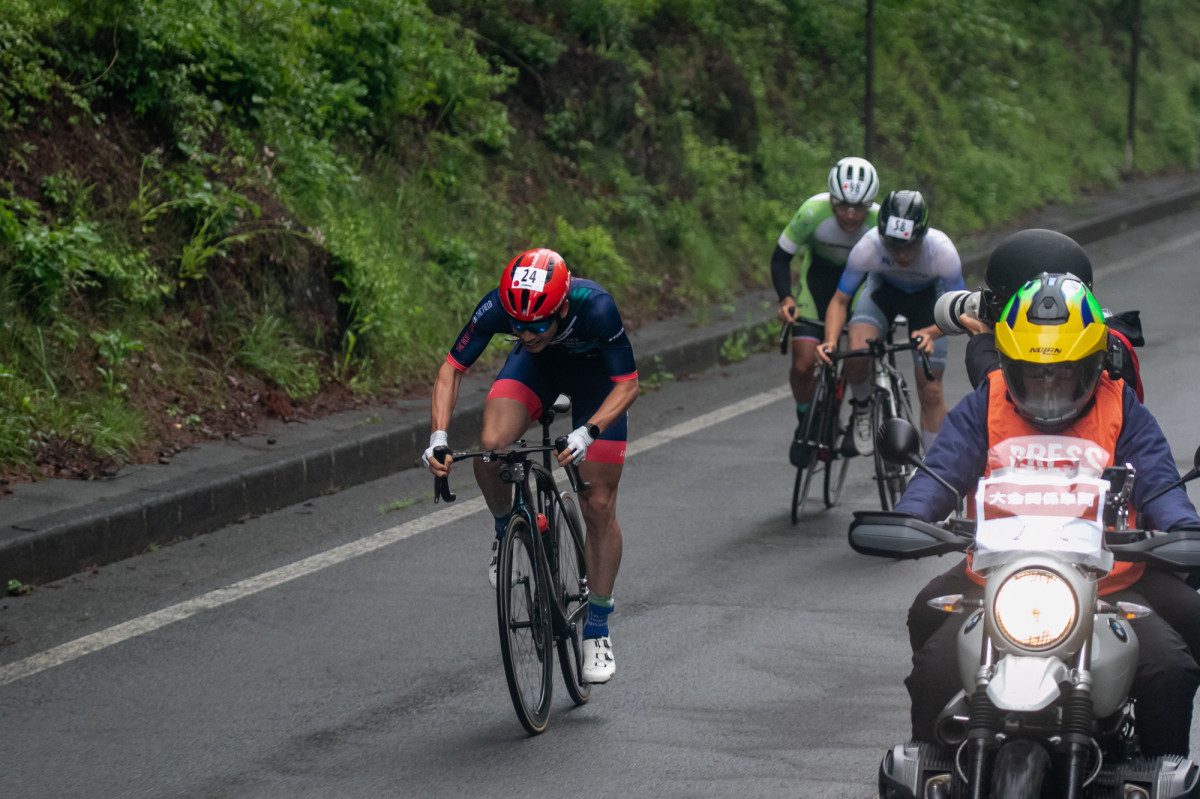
(952, 304)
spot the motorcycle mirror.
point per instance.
(898, 441)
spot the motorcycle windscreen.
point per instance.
(1024, 509)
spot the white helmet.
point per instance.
(854, 181)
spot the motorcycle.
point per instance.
(1045, 664)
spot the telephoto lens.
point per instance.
(951, 305)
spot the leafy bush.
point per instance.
(387, 157)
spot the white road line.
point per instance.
(231, 593)
(1126, 264)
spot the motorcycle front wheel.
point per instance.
(1019, 771)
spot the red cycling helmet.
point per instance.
(534, 285)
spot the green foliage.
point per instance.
(404, 150)
(114, 349)
(269, 349)
(592, 253)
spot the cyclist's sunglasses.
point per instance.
(860, 208)
(537, 327)
(901, 247)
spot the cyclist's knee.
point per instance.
(930, 392)
(599, 501)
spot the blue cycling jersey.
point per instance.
(591, 329)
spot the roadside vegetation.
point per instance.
(217, 210)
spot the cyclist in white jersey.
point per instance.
(903, 266)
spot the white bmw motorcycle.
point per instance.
(1046, 665)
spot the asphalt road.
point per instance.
(347, 646)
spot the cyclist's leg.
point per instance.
(514, 401)
(929, 392)
(804, 353)
(803, 379)
(815, 293)
(933, 403)
(604, 542)
(868, 321)
(504, 420)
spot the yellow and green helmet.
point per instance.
(1053, 343)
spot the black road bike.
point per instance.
(821, 434)
(541, 576)
(890, 399)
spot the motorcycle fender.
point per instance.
(970, 641)
(1026, 684)
(1114, 661)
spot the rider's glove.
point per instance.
(436, 439)
(578, 441)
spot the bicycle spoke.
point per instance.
(524, 627)
(571, 592)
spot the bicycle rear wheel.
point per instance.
(523, 611)
(571, 594)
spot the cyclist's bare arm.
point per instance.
(445, 396)
(835, 320)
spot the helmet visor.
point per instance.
(1051, 393)
(902, 247)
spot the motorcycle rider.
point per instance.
(1021, 257)
(1052, 385)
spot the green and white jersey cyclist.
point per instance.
(827, 226)
(899, 268)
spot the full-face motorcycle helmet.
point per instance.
(1052, 343)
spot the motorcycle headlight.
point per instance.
(1035, 609)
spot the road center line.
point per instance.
(302, 568)
(1126, 264)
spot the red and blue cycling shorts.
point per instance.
(537, 380)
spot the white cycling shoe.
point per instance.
(492, 563)
(598, 663)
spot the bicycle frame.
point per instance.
(542, 592)
(890, 398)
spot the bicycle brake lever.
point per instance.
(441, 485)
(577, 485)
(441, 490)
(783, 337)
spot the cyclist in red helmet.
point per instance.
(569, 339)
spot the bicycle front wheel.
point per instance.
(571, 595)
(889, 478)
(835, 477)
(523, 610)
(807, 474)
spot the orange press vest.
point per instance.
(1098, 428)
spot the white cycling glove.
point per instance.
(436, 439)
(578, 441)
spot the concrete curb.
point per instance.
(66, 542)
